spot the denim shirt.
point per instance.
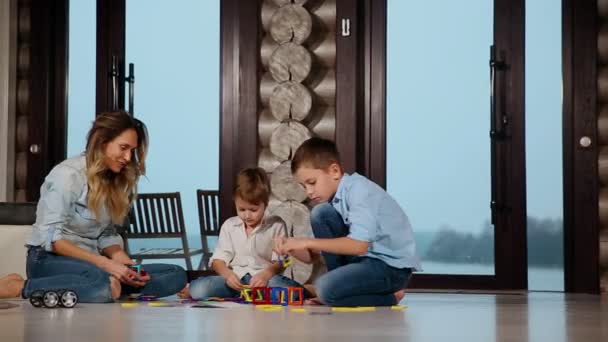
(373, 216)
(62, 212)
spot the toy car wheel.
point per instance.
(36, 298)
(50, 299)
(69, 299)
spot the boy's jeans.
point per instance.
(353, 280)
(49, 271)
(215, 286)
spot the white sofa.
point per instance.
(12, 249)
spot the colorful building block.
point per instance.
(295, 296)
(261, 295)
(279, 295)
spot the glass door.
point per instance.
(454, 138)
(174, 47)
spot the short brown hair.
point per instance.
(317, 153)
(252, 185)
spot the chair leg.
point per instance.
(204, 263)
(201, 264)
(188, 261)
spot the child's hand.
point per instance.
(234, 282)
(293, 244)
(260, 279)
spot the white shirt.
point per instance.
(248, 254)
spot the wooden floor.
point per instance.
(428, 317)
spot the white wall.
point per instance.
(8, 11)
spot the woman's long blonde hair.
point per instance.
(114, 191)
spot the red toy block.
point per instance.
(263, 292)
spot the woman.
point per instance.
(74, 244)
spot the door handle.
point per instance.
(498, 135)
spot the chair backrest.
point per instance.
(156, 215)
(208, 211)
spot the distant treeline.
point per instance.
(545, 244)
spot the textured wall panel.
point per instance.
(602, 124)
(283, 185)
(267, 124)
(603, 207)
(323, 123)
(603, 166)
(298, 97)
(287, 138)
(290, 23)
(602, 84)
(292, 62)
(602, 9)
(23, 58)
(290, 100)
(23, 99)
(268, 161)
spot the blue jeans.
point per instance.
(49, 271)
(215, 286)
(353, 280)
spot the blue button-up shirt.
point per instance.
(372, 215)
(62, 212)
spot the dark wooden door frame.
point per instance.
(239, 100)
(510, 249)
(348, 83)
(47, 124)
(111, 33)
(581, 216)
(511, 259)
(371, 135)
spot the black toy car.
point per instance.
(54, 298)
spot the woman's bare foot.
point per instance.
(115, 287)
(399, 295)
(184, 293)
(11, 286)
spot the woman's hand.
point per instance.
(124, 273)
(233, 281)
(123, 258)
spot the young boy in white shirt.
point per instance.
(244, 251)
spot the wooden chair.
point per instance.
(158, 216)
(208, 216)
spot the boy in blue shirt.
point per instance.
(363, 234)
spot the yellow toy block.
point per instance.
(246, 294)
(269, 308)
(157, 304)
